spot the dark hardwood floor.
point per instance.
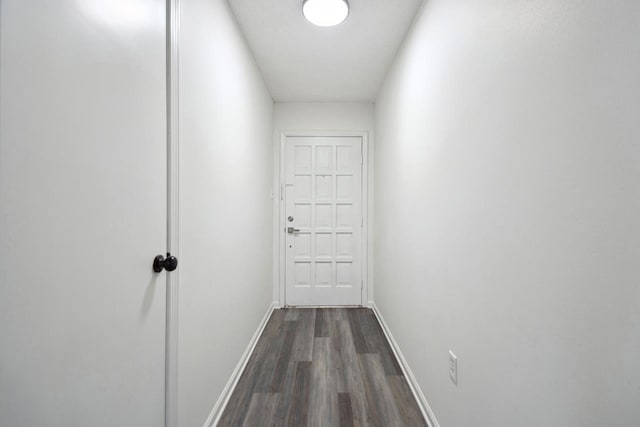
(322, 367)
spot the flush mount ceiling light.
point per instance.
(325, 13)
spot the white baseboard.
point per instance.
(221, 404)
(427, 413)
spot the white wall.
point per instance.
(226, 119)
(507, 210)
(329, 116)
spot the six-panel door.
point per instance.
(323, 200)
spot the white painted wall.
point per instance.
(507, 210)
(321, 116)
(226, 119)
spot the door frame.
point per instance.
(281, 223)
(172, 31)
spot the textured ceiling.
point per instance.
(302, 62)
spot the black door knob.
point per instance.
(169, 263)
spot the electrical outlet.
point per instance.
(453, 367)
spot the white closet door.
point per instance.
(324, 220)
(82, 212)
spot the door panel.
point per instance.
(82, 212)
(323, 196)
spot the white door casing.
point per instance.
(323, 197)
(83, 210)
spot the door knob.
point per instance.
(292, 230)
(169, 263)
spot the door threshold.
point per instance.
(322, 306)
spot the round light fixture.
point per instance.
(325, 13)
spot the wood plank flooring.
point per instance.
(322, 367)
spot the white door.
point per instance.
(323, 198)
(82, 212)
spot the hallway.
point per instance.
(322, 367)
(175, 173)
